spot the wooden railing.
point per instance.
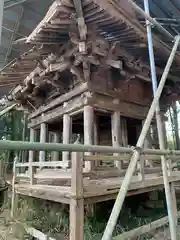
(141, 170)
(77, 188)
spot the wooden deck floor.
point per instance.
(95, 190)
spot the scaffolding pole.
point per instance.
(150, 19)
(1, 17)
(59, 147)
(160, 131)
(137, 152)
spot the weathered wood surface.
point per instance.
(88, 132)
(43, 139)
(52, 193)
(115, 104)
(61, 99)
(67, 133)
(116, 135)
(77, 200)
(73, 105)
(92, 188)
(41, 67)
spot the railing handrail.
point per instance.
(21, 145)
(43, 164)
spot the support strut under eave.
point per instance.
(132, 165)
(160, 127)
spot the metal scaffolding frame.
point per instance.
(138, 150)
(154, 108)
(1, 17)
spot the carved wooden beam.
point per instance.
(78, 73)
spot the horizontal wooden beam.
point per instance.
(126, 157)
(63, 98)
(44, 164)
(114, 104)
(57, 113)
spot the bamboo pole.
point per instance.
(36, 146)
(150, 19)
(137, 232)
(1, 17)
(160, 127)
(124, 187)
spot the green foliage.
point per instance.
(12, 127)
(48, 217)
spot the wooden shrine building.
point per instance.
(85, 78)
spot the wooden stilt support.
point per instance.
(67, 128)
(174, 203)
(13, 198)
(96, 138)
(164, 130)
(88, 132)
(43, 136)
(77, 201)
(115, 126)
(31, 156)
(148, 144)
(124, 133)
(56, 139)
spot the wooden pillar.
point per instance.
(124, 136)
(116, 127)
(77, 200)
(43, 137)
(147, 144)
(96, 138)
(67, 129)
(174, 202)
(56, 139)
(88, 132)
(31, 155)
(164, 129)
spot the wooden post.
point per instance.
(88, 132)
(43, 136)
(147, 144)
(174, 203)
(67, 128)
(77, 200)
(124, 133)
(31, 156)
(56, 139)
(13, 198)
(164, 130)
(96, 138)
(115, 127)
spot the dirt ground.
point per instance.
(165, 234)
(10, 230)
